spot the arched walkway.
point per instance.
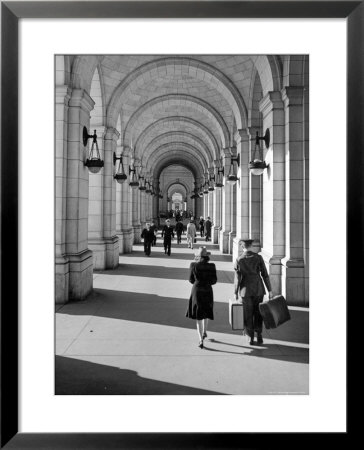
(131, 336)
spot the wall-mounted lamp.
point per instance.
(211, 182)
(94, 163)
(134, 182)
(232, 177)
(257, 166)
(219, 177)
(120, 175)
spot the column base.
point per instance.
(125, 240)
(136, 234)
(232, 236)
(216, 235)
(62, 279)
(80, 275)
(224, 241)
(105, 253)
(274, 267)
(294, 282)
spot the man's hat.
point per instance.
(248, 242)
(202, 252)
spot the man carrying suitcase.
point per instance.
(249, 271)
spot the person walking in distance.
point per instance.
(148, 236)
(179, 230)
(201, 302)
(208, 226)
(167, 235)
(248, 285)
(191, 233)
(153, 227)
(202, 226)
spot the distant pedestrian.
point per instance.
(201, 302)
(179, 230)
(147, 235)
(191, 234)
(202, 226)
(249, 271)
(208, 226)
(167, 235)
(154, 228)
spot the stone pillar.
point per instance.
(242, 139)
(227, 199)
(109, 201)
(217, 215)
(79, 256)
(293, 265)
(62, 261)
(135, 200)
(232, 234)
(119, 204)
(255, 196)
(126, 218)
(273, 238)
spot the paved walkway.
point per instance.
(131, 336)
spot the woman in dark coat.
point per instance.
(201, 303)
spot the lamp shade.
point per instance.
(257, 167)
(120, 177)
(94, 165)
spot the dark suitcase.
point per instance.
(274, 312)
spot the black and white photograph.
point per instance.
(181, 224)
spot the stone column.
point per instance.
(135, 194)
(126, 210)
(273, 238)
(95, 208)
(119, 203)
(63, 94)
(255, 196)
(217, 214)
(242, 190)
(227, 203)
(293, 265)
(109, 201)
(233, 220)
(79, 256)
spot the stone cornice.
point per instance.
(112, 133)
(292, 95)
(241, 136)
(80, 98)
(272, 100)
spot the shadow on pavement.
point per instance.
(157, 271)
(77, 377)
(149, 308)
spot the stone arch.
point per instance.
(97, 94)
(63, 69)
(139, 144)
(186, 161)
(173, 149)
(270, 73)
(178, 137)
(195, 102)
(83, 68)
(173, 183)
(293, 70)
(256, 94)
(195, 68)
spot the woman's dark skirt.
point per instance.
(201, 303)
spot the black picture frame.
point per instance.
(11, 12)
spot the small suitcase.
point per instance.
(236, 315)
(274, 312)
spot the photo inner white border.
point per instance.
(324, 409)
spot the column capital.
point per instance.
(272, 100)
(292, 95)
(241, 136)
(80, 98)
(210, 170)
(63, 94)
(112, 133)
